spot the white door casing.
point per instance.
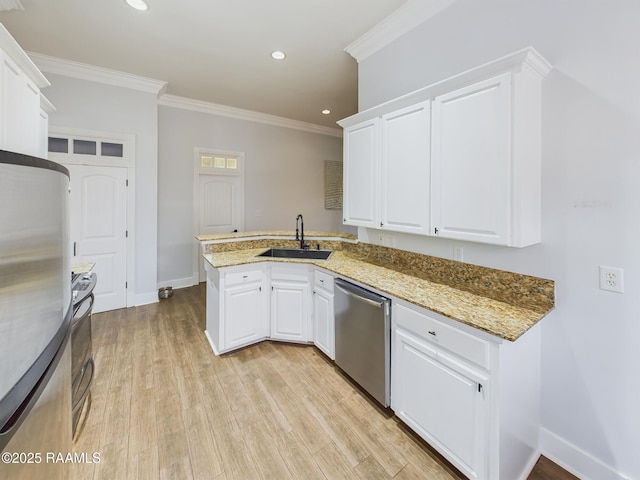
(218, 200)
(99, 229)
(116, 166)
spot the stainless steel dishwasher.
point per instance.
(363, 338)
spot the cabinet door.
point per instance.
(406, 170)
(245, 315)
(323, 322)
(290, 310)
(12, 106)
(31, 117)
(442, 400)
(471, 162)
(361, 165)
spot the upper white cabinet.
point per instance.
(472, 162)
(361, 173)
(20, 99)
(457, 159)
(405, 170)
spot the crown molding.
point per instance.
(404, 19)
(6, 5)
(184, 103)
(11, 48)
(83, 71)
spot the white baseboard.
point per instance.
(177, 283)
(145, 298)
(575, 460)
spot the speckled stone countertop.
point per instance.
(82, 267)
(274, 234)
(503, 304)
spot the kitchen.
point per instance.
(589, 386)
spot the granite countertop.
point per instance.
(507, 319)
(83, 267)
(273, 234)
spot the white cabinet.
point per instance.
(440, 396)
(486, 180)
(458, 159)
(323, 314)
(361, 174)
(405, 170)
(291, 303)
(237, 307)
(20, 113)
(387, 171)
(472, 397)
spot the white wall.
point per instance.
(95, 106)
(284, 176)
(591, 200)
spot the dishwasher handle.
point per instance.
(375, 303)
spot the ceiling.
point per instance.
(216, 50)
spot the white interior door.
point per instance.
(99, 229)
(220, 206)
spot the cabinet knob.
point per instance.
(431, 332)
(245, 276)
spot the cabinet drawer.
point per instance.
(442, 335)
(323, 280)
(235, 278)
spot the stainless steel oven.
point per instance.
(363, 338)
(82, 365)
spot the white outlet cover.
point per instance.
(611, 279)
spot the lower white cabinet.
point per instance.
(323, 315)
(250, 303)
(291, 303)
(472, 397)
(442, 399)
(237, 307)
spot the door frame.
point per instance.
(198, 171)
(128, 161)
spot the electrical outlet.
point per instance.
(458, 254)
(611, 279)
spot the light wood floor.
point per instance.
(163, 406)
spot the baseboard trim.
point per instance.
(178, 283)
(575, 460)
(146, 298)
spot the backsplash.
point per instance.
(537, 294)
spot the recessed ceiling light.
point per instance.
(326, 111)
(138, 4)
(278, 55)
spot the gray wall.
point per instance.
(591, 199)
(284, 176)
(95, 106)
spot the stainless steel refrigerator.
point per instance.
(35, 318)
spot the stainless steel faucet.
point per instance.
(300, 232)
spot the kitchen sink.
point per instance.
(296, 253)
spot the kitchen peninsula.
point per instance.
(464, 340)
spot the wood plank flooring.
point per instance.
(164, 407)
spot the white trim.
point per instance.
(128, 161)
(11, 48)
(144, 299)
(199, 171)
(6, 5)
(83, 71)
(242, 114)
(527, 58)
(575, 460)
(404, 19)
(177, 283)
